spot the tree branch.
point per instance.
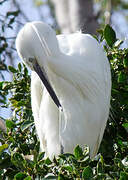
(74, 15)
(2, 125)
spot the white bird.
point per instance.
(71, 106)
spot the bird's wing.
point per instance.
(91, 74)
(89, 65)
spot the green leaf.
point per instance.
(19, 176)
(48, 161)
(87, 173)
(10, 124)
(123, 176)
(28, 178)
(109, 35)
(18, 160)
(12, 13)
(19, 67)
(26, 124)
(65, 155)
(1, 172)
(37, 147)
(121, 77)
(125, 62)
(61, 177)
(41, 156)
(11, 20)
(78, 152)
(68, 168)
(100, 167)
(25, 71)
(125, 125)
(1, 85)
(3, 147)
(85, 161)
(5, 161)
(11, 172)
(12, 69)
(25, 148)
(6, 86)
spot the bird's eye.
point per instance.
(30, 60)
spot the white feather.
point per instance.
(79, 72)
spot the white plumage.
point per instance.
(78, 71)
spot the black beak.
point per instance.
(46, 84)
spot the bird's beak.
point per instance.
(46, 83)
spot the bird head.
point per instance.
(36, 43)
(36, 40)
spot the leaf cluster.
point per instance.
(117, 127)
(7, 23)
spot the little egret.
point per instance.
(71, 106)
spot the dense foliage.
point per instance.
(20, 157)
